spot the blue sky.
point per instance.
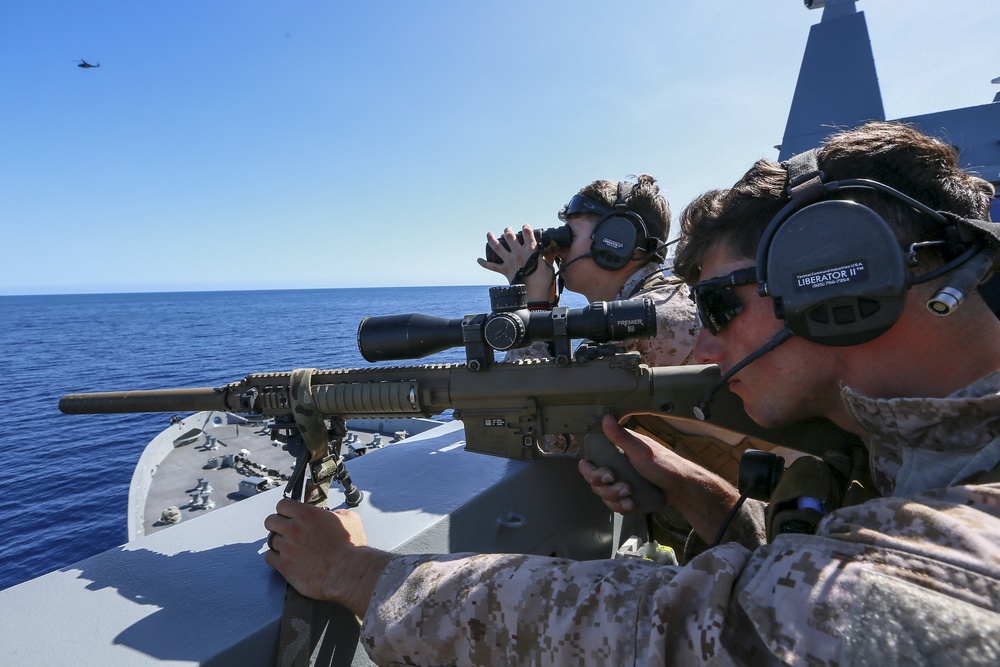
(303, 143)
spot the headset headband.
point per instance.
(624, 194)
(807, 184)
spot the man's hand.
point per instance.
(323, 554)
(540, 284)
(702, 497)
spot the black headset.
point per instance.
(834, 268)
(619, 233)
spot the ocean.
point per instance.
(66, 477)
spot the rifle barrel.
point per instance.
(156, 400)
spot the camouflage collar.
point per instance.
(646, 275)
(917, 444)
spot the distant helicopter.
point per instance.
(84, 64)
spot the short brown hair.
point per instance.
(894, 154)
(645, 200)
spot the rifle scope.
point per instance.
(411, 336)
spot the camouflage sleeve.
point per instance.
(676, 328)
(532, 610)
(891, 581)
(537, 350)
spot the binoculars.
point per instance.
(553, 237)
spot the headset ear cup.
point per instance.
(836, 273)
(613, 242)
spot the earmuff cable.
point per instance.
(728, 520)
(946, 268)
(562, 267)
(863, 183)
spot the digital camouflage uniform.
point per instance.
(909, 578)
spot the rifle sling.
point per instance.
(303, 638)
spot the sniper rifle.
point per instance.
(506, 408)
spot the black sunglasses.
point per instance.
(583, 204)
(716, 300)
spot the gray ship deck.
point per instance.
(213, 460)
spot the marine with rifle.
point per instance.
(839, 285)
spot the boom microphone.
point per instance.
(702, 412)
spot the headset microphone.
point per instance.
(563, 265)
(560, 281)
(702, 412)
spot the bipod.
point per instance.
(314, 632)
